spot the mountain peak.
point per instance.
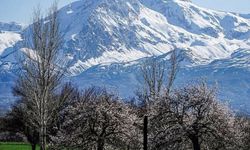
(101, 30)
(107, 40)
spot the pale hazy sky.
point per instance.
(21, 10)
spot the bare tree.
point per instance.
(172, 71)
(153, 76)
(156, 84)
(41, 72)
(98, 120)
(158, 77)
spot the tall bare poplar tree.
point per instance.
(156, 84)
(158, 77)
(41, 74)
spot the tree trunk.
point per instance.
(40, 138)
(145, 133)
(43, 138)
(33, 146)
(195, 142)
(100, 144)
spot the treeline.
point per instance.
(188, 118)
(57, 115)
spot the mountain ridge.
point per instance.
(106, 41)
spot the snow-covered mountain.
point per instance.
(10, 35)
(106, 41)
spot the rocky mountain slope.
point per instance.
(106, 41)
(10, 35)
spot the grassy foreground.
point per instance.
(15, 146)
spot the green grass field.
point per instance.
(15, 146)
